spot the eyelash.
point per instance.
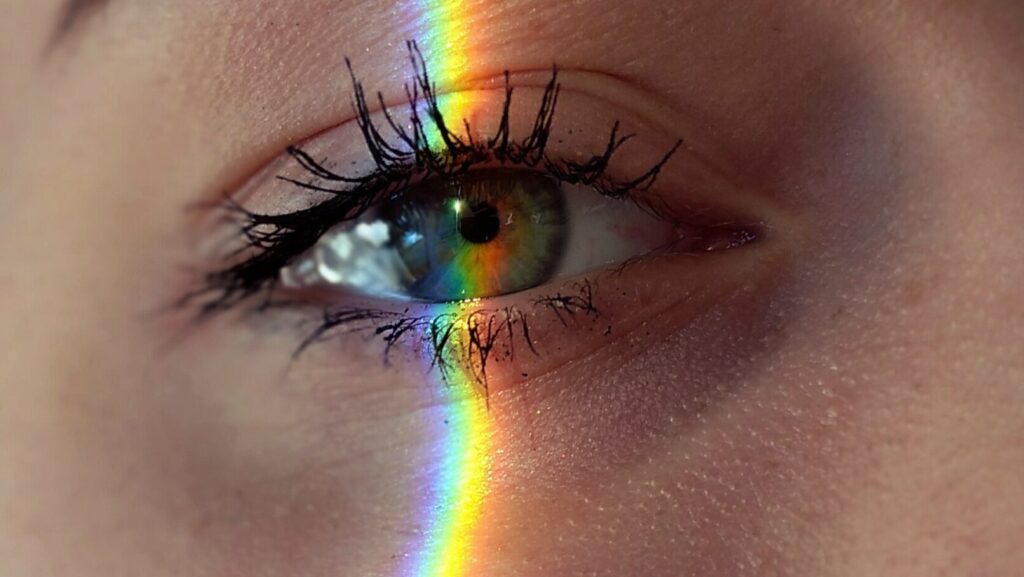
(480, 331)
(276, 239)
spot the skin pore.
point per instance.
(844, 399)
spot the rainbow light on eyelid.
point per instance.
(445, 41)
(452, 504)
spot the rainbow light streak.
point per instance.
(455, 499)
(453, 503)
(444, 38)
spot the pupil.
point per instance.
(479, 223)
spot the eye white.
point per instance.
(605, 231)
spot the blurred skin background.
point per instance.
(848, 403)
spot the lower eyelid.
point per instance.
(656, 294)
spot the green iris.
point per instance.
(481, 234)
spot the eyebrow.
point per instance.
(71, 16)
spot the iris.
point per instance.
(480, 234)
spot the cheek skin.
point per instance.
(861, 418)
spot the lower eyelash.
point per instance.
(457, 339)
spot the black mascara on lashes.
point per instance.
(274, 240)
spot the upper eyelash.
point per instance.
(279, 238)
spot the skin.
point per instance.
(855, 408)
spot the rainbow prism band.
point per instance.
(452, 505)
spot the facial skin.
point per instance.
(853, 408)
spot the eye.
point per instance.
(477, 235)
(511, 234)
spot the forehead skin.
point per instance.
(876, 432)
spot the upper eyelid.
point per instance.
(702, 180)
(597, 88)
(591, 83)
(490, 87)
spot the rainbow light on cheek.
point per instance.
(455, 500)
(452, 505)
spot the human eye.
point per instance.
(477, 235)
(472, 225)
